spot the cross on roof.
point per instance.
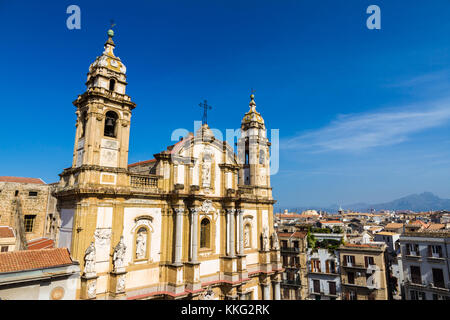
(205, 107)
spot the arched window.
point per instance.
(110, 124)
(112, 84)
(83, 120)
(205, 233)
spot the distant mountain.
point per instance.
(415, 202)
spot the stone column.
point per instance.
(178, 234)
(231, 213)
(277, 293)
(228, 233)
(266, 291)
(241, 230)
(194, 234)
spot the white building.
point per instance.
(324, 280)
(425, 261)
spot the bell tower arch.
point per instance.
(103, 122)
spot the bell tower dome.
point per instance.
(253, 149)
(103, 121)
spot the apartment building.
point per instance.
(293, 246)
(363, 271)
(323, 274)
(425, 261)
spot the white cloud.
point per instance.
(356, 132)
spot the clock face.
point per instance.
(114, 63)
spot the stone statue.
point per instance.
(89, 259)
(141, 244)
(265, 238)
(120, 284)
(119, 254)
(275, 243)
(92, 288)
(206, 174)
(246, 237)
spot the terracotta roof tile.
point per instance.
(6, 232)
(141, 162)
(297, 234)
(21, 180)
(42, 243)
(394, 225)
(34, 259)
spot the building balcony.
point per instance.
(354, 266)
(436, 259)
(295, 283)
(289, 250)
(144, 182)
(371, 285)
(441, 287)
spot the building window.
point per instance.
(435, 251)
(332, 287)
(416, 276)
(438, 278)
(83, 120)
(32, 194)
(417, 295)
(205, 230)
(349, 260)
(316, 286)
(4, 249)
(412, 249)
(315, 265)
(368, 261)
(351, 277)
(112, 84)
(110, 124)
(16, 193)
(29, 222)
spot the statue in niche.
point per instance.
(119, 254)
(265, 238)
(206, 173)
(89, 259)
(247, 236)
(141, 244)
(275, 243)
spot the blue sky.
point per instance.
(364, 115)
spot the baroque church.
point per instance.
(195, 222)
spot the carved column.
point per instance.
(194, 234)
(228, 232)
(266, 291)
(241, 231)
(178, 234)
(231, 220)
(277, 293)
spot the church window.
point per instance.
(112, 84)
(83, 123)
(262, 157)
(205, 230)
(29, 222)
(110, 124)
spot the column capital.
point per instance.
(231, 210)
(194, 210)
(178, 210)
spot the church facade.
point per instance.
(195, 222)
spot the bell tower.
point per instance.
(253, 149)
(103, 122)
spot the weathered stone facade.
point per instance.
(19, 201)
(193, 223)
